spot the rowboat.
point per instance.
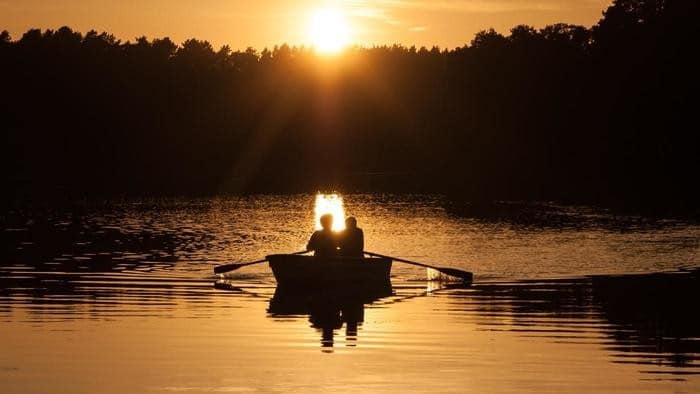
(312, 272)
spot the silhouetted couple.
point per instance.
(349, 242)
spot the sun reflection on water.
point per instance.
(333, 204)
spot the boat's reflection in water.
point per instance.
(328, 310)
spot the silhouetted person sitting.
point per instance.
(323, 242)
(352, 239)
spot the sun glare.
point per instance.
(333, 204)
(329, 31)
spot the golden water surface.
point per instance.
(120, 298)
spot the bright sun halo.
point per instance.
(329, 31)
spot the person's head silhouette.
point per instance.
(351, 222)
(326, 221)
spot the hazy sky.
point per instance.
(260, 23)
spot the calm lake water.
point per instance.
(120, 297)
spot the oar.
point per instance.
(464, 275)
(221, 269)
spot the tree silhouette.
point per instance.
(564, 113)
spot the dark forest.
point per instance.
(604, 115)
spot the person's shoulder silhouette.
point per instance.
(323, 242)
(352, 239)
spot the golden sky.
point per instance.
(261, 23)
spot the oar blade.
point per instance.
(222, 269)
(466, 276)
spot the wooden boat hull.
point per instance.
(339, 273)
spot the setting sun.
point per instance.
(333, 204)
(328, 30)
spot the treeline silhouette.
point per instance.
(562, 113)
